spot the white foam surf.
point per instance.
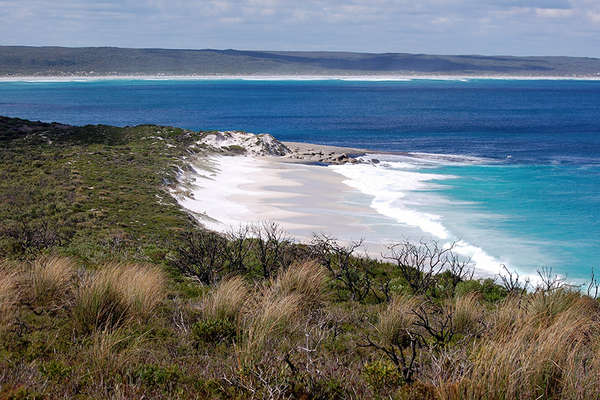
(390, 183)
(354, 78)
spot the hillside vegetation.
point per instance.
(94, 61)
(108, 290)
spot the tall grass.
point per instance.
(226, 300)
(9, 294)
(279, 306)
(307, 280)
(271, 318)
(546, 305)
(467, 314)
(52, 281)
(398, 319)
(117, 293)
(111, 349)
(507, 315)
(550, 353)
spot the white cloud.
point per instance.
(553, 12)
(445, 26)
(594, 16)
(231, 20)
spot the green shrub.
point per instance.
(382, 374)
(212, 389)
(19, 393)
(37, 346)
(55, 370)
(489, 290)
(157, 376)
(214, 330)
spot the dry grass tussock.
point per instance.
(507, 315)
(307, 280)
(468, 314)
(271, 318)
(9, 293)
(543, 305)
(398, 319)
(111, 349)
(52, 280)
(226, 300)
(280, 306)
(116, 293)
(551, 357)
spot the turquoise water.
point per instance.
(552, 210)
(522, 182)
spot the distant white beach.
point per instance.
(358, 78)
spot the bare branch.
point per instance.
(512, 283)
(421, 263)
(549, 281)
(593, 286)
(353, 272)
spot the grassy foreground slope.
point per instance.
(109, 291)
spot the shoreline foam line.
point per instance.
(389, 183)
(351, 78)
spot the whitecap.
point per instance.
(388, 185)
(391, 182)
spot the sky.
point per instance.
(489, 27)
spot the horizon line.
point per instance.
(299, 51)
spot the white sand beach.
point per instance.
(224, 192)
(305, 199)
(353, 200)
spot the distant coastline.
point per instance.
(98, 62)
(356, 78)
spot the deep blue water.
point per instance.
(535, 201)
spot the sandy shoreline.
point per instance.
(350, 202)
(305, 199)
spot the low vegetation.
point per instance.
(126, 331)
(103, 61)
(90, 308)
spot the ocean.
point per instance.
(508, 169)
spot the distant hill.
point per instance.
(96, 61)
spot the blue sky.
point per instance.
(518, 27)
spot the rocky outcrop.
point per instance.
(325, 157)
(265, 145)
(245, 143)
(325, 154)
